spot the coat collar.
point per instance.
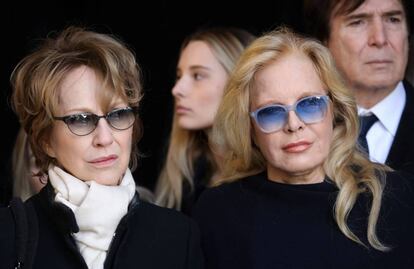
(62, 216)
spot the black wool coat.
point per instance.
(148, 236)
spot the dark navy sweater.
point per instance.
(257, 223)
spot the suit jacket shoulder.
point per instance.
(401, 156)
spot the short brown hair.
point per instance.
(37, 78)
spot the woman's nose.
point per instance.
(294, 123)
(103, 134)
(181, 87)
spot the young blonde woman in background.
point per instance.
(206, 60)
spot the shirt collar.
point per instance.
(389, 109)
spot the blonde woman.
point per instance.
(206, 59)
(297, 192)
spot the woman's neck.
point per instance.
(311, 176)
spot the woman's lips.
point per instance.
(379, 63)
(182, 110)
(104, 161)
(297, 147)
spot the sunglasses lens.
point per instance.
(82, 124)
(272, 118)
(312, 109)
(121, 119)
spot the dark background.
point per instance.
(154, 30)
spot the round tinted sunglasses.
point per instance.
(85, 123)
(272, 118)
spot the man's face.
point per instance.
(370, 45)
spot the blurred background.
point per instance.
(153, 29)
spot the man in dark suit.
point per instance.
(369, 42)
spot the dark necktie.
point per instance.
(365, 122)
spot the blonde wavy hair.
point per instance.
(186, 146)
(345, 165)
(36, 81)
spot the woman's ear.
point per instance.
(48, 149)
(325, 42)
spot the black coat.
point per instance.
(147, 237)
(401, 156)
(255, 223)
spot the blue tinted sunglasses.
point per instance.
(272, 118)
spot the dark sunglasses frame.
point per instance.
(95, 119)
(287, 108)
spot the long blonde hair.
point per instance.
(349, 170)
(186, 146)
